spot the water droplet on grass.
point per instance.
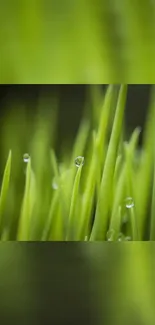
(26, 157)
(129, 202)
(79, 161)
(110, 235)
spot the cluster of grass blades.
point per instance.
(102, 191)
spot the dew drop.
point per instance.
(79, 161)
(129, 202)
(110, 235)
(26, 157)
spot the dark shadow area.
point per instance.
(76, 283)
(52, 284)
(72, 99)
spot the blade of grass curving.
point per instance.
(96, 98)
(119, 193)
(130, 190)
(114, 229)
(24, 220)
(102, 133)
(78, 150)
(145, 173)
(99, 153)
(73, 222)
(40, 153)
(48, 232)
(57, 231)
(134, 226)
(62, 198)
(5, 186)
(109, 101)
(117, 173)
(88, 196)
(120, 188)
(130, 150)
(101, 216)
(81, 140)
(56, 226)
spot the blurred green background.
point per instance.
(82, 42)
(77, 283)
(43, 41)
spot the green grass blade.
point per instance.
(80, 141)
(24, 221)
(88, 195)
(120, 189)
(4, 187)
(115, 226)
(63, 200)
(117, 173)
(40, 153)
(78, 150)
(96, 98)
(103, 128)
(145, 173)
(54, 165)
(73, 222)
(98, 157)
(57, 230)
(129, 154)
(130, 192)
(50, 226)
(119, 193)
(101, 217)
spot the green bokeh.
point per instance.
(77, 41)
(76, 283)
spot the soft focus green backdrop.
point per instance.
(77, 42)
(77, 283)
(84, 41)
